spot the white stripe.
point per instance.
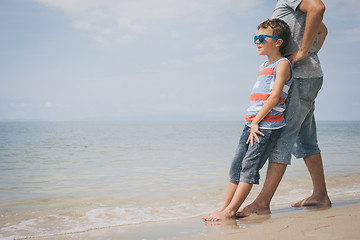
(286, 89)
(271, 85)
(253, 108)
(257, 108)
(279, 109)
(257, 84)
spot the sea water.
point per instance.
(71, 177)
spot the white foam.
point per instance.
(98, 218)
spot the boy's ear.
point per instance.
(279, 42)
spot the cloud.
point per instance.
(21, 105)
(53, 105)
(219, 48)
(124, 18)
(216, 43)
(338, 9)
(173, 108)
(126, 10)
(352, 35)
(213, 57)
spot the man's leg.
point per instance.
(306, 147)
(319, 197)
(261, 205)
(298, 115)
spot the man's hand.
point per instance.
(296, 56)
(253, 134)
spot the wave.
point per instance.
(87, 214)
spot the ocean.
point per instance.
(61, 178)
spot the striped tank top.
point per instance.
(260, 93)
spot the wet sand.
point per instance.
(334, 223)
(342, 221)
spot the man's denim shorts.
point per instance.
(299, 135)
(248, 160)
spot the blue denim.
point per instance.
(299, 135)
(248, 160)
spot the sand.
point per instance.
(334, 223)
(342, 221)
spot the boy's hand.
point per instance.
(253, 134)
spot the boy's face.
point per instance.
(270, 45)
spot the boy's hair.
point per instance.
(280, 30)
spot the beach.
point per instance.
(339, 222)
(151, 180)
(331, 224)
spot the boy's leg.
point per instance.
(234, 171)
(261, 205)
(228, 197)
(252, 162)
(242, 191)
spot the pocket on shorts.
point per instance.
(309, 88)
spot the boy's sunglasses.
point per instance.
(262, 37)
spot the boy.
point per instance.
(267, 104)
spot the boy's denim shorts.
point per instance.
(248, 160)
(299, 135)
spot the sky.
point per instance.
(74, 60)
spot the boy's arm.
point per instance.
(283, 74)
(321, 36)
(314, 10)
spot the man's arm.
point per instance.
(314, 14)
(322, 35)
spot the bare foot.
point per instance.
(218, 216)
(226, 224)
(252, 208)
(323, 202)
(209, 214)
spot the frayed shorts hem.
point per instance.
(308, 153)
(244, 181)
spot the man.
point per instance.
(299, 135)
